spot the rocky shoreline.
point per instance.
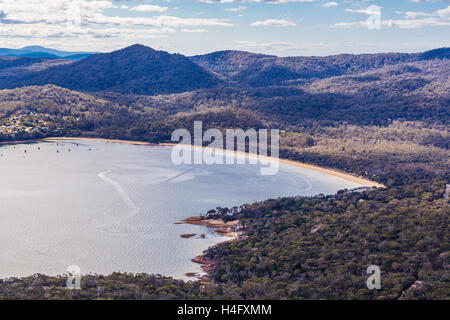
(227, 229)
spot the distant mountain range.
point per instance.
(262, 70)
(42, 52)
(142, 70)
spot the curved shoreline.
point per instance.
(223, 229)
(333, 172)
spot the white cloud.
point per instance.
(411, 20)
(91, 13)
(330, 4)
(70, 18)
(89, 24)
(368, 11)
(148, 8)
(255, 1)
(237, 9)
(49, 11)
(158, 21)
(45, 31)
(273, 23)
(194, 30)
(416, 23)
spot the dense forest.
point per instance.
(320, 247)
(384, 117)
(263, 70)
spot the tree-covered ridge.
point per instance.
(11, 67)
(397, 154)
(114, 286)
(262, 70)
(136, 69)
(315, 248)
(65, 111)
(9, 63)
(428, 78)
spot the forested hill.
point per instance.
(136, 69)
(13, 67)
(260, 70)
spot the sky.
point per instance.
(279, 27)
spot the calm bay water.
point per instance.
(112, 207)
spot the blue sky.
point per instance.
(281, 27)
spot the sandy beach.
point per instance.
(17, 142)
(349, 177)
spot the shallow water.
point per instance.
(112, 207)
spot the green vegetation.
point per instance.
(320, 248)
(114, 286)
(64, 112)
